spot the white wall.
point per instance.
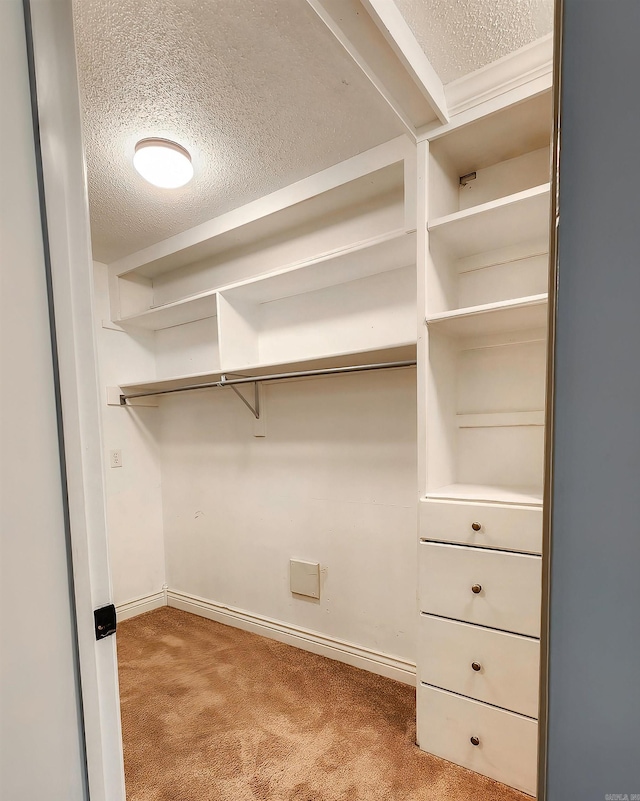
(334, 481)
(134, 502)
(41, 749)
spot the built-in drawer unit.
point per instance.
(490, 741)
(476, 585)
(512, 528)
(492, 666)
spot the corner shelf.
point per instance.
(497, 224)
(519, 314)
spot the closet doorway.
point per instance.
(334, 324)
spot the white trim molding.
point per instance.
(510, 72)
(401, 39)
(335, 23)
(393, 667)
(69, 239)
(140, 605)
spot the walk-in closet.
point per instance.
(322, 362)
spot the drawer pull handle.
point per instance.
(476, 588)
(476, 666)
(475, 741)
(476, 526)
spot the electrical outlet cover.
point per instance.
(304, 578)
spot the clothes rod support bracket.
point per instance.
(255, 409)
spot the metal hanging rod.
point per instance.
(231, 382)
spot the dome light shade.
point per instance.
(163, 163)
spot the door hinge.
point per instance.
(105, 621)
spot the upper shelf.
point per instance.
(373, 256)
(520, 314)
(374, 176)
(506, 134)
(500, 223)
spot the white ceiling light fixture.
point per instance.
(163, 163)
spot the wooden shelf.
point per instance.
(370, 257)
(403, 352)
(188, 310)
(500, 223)
(173, 382)
(373, 256)
(528, 496)
(399, 353)
(520, 314)
(500, 419)
(502, 135)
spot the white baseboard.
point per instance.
(145, 603)
(374, 661)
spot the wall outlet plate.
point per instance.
(304, 578)
(115, 458)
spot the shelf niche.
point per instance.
(485, 428)
(509, 152)
(497, 252)
(258, 328)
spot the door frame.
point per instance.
(61, 164)
(65, 211)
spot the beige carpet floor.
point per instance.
(212, 713)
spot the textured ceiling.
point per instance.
(460, 36)
(260, 93)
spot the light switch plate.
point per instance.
(304, 578)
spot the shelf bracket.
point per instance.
(255, 409)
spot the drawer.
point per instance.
(513, 528)
(507, 746)
(509, 586)
(493, 666)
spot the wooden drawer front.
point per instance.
(513, 528)
(493, 666)
(510, 583)
(508, 743)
